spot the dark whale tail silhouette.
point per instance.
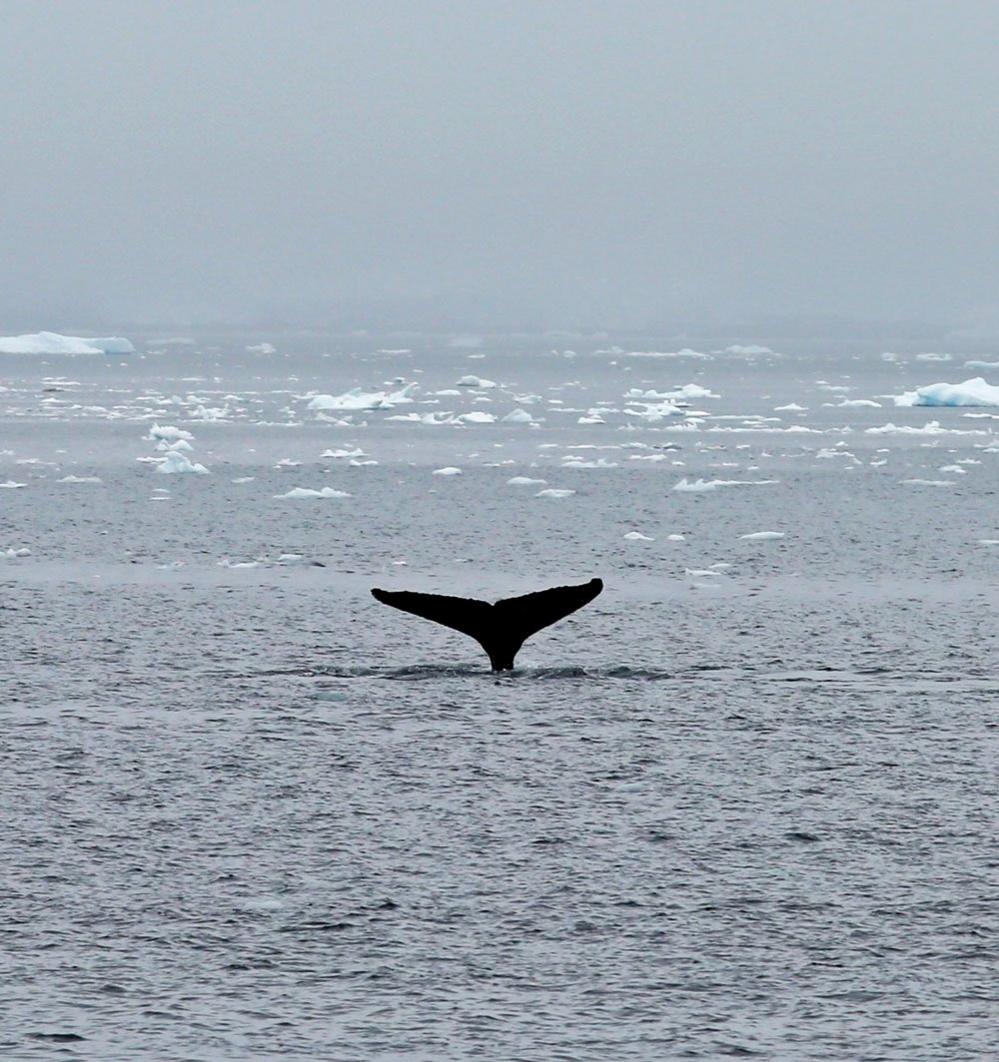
(500, 629)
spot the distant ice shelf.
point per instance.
(54, 343)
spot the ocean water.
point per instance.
(743, 804)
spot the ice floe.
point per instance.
(356, 399)
(81, 479)
(762, 536)
(637, 536)
(54, 343)
(308, 492)
(450, 470)
(700, 486)
(168, 433)
(477, 382)
(10, 553)
(525, 481)
(11, 485)
(973, 392)
(932, 427)
(519, 416)
(554, 492)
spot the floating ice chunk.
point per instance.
(688, 391)
(298, 560)
(932, 356)
(244, 479)
(554, 492)
(356, 399)
(791, 407)
(168, 433)
(450, 470)
(931, 427)
(762, 536)
(685, 353)
(286, 462)
(988, 541)
(676, 538)
(81, 479)
(637, 536)
(308, 492)
(175, 462)
(748, 348)
(525, 481)
(181, 444)
(655, 411)
(981, 364)
(702, 573)
(343, 453)
(519, 416)
(477, 416)
(929, 482)
(477, 382)
(262, 348)
(10, 553)
(858, 403)
(699, 486)
(973, 392)
(11, 485)
(54, 343)
(226, 563)
(957, 469)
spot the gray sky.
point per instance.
(526, 164)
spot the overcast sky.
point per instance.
(544, 163)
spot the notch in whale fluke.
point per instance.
(500, 629)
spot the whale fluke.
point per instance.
(500, 629)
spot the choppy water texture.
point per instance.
(742, 804)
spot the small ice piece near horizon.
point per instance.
(450, 470)
(747, 348)
(168, 433)
(791, 407)
(477, 382)
(262, 348)
(356, 399)
(80, 479)
(308, 492)
(929, 482)
(54, 343)
(973, 392)
(518, 416)
(174, 463)
(637, 536)
(699, 486)
(762, 536)
(356, 452)
(10, 553)
(243, 479)
(554, 492)
(676, 538)
(525, 481)
(477, 416)
(11, 485)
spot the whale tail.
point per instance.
(500, 629)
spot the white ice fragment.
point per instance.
(676, 538)
(518, 416)
(791, 407)
(554, 492)
(343, 453)
(167, 432)
(262, 348)
(637, 536)
(450, 470)
(476, 382)
(175, 462)
(525, 481)
(929, 482)
(699, 486)
(477, 416)
(749, 348)
(356, 399)
(11, 485)
(10, 553)
(308, 492)
(762, 536)
(80, 479)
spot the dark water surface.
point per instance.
(743, 804)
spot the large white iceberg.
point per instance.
(974, 392)
(54, 343)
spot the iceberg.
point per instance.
(175, 462)
(973, 392)
(54, 343)
(519, 416)
(449, 471)
(476, 381)
(762, 536)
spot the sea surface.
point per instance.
(743, 804)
